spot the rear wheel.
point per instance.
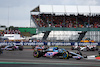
(13, 48)
(72, 48)
(78, 48)
(87, 49)
(20, 48)
(36, 54)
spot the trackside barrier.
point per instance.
(49, 43)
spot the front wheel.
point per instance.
(65, 55)
(93, 49)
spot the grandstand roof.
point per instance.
(68, 9)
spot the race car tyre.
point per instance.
(78, 48)
(36, 54)
(93, 49)
(20, 48)
(13, 48)
(87, 49)
(65, 55)
(72, 48)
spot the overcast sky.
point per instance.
(17, 12)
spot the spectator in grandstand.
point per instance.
(68, 21)
(10, 32)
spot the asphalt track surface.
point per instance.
(25, 59)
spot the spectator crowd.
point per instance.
(9, 32)
(72, 21)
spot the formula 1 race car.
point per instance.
(16, 47)
(57, 52)
(89, 48)
(85, 48)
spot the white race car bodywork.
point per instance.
(82, 48)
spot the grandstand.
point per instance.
(79, 21)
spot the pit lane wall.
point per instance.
(49, 43)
